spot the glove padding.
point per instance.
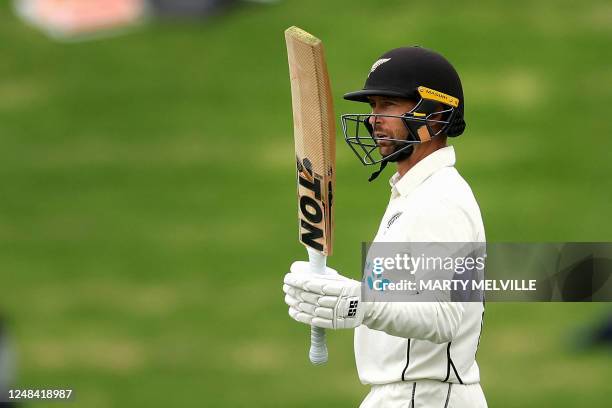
(331, 301)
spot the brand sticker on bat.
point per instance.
(312, 211)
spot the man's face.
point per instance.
(390, 128)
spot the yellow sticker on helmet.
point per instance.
(427, 93)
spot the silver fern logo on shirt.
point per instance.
(393, 218)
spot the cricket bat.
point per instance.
(314, 133)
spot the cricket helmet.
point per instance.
(414, 73)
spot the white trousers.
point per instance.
(425, 394)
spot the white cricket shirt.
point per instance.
(424, 340)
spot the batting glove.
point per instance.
(331, 301)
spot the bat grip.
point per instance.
(318, 348)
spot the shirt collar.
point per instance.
(444, 157)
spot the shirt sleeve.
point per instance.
(435, 321)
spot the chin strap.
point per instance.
(374, 175)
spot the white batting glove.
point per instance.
(331, 301)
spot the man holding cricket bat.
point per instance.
(413, 354)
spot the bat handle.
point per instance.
(318, 348)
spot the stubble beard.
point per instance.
(393, 146)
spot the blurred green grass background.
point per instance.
(147, 209)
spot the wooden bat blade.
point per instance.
(315, 138)
(315, 150)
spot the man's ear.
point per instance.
(438, 116)
(438, 108)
